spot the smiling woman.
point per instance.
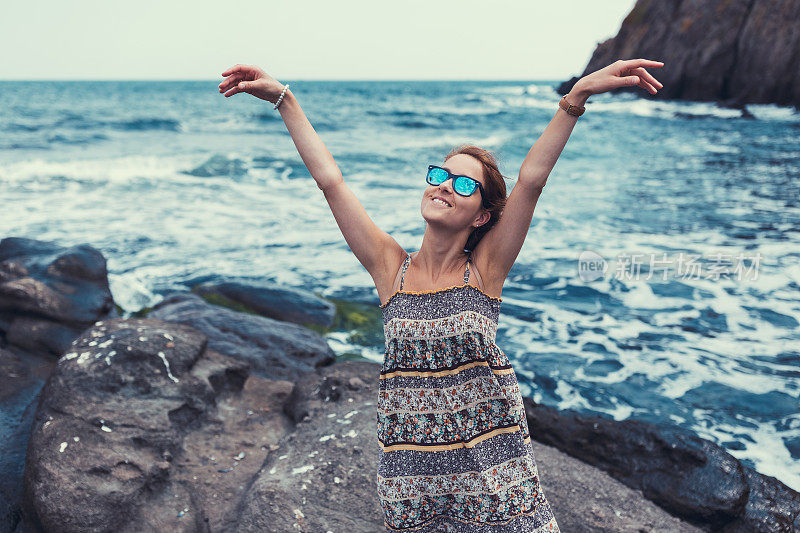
(493, 192)
(456, 450)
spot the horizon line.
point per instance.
(289, 81)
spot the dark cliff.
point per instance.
(731, 51)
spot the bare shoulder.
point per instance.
(492, 281)
(385, 271)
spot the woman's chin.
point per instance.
(434, 210)
(437, 216)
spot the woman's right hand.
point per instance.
(252, 80)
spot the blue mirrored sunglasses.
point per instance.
(462, 185)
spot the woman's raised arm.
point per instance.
(496, 252)
(375, 249)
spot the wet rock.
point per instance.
(219, 165)
(273, 348)
(571, 487)
(49, 293)
(273, 301)
(22, 376)
(691, 477)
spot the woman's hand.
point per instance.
(252, 80)
(620, 73)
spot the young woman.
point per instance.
(456, 453)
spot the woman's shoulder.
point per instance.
(486, 282)
(388, 281)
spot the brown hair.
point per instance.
(494, 186)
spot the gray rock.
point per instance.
(274, 301)
(49, 293)
(584, 498)
(142, 428)
(322, 477)
(219, 165)
(22, 376)
(713, 50)
(691, 477)
(273, 348)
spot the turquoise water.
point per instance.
(174, 183)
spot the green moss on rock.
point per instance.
(217, 299)
(361, 320)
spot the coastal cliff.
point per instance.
(732, 52)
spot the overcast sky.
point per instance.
(302, 39)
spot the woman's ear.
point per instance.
(483, 218)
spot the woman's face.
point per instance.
(461, 211)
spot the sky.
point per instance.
(304, 40)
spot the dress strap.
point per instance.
(405, 266)
(466, 271)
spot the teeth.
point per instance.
(441, 202)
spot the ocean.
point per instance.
(175, 183)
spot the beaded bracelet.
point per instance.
(280, 99)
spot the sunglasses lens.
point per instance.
(436, 176)
(464, 186)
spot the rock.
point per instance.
(323, 475)
(691, 477)
(273, 348)
(49, 293)
(771, 506)
(355, 383)
(219, 165)
(160, 425)
(22, 376)
(571, 487)
(9, 514)
(716, 50)
(273, 301)
(142, 427)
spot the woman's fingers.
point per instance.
(642, 73)
(633, 63)
(236, 68)
(244, 79)
(630, 79)
(646, 81)
(235, 74)
(239, 73)
(234, 90)
(627, 67)
(234, 79)
(643, 84)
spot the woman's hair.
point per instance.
(494, 187)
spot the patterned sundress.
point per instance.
(456, 452)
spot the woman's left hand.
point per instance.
(620, 73)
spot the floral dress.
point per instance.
(456, 453)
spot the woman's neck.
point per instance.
(443, 262)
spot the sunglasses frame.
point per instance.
(454, 176)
